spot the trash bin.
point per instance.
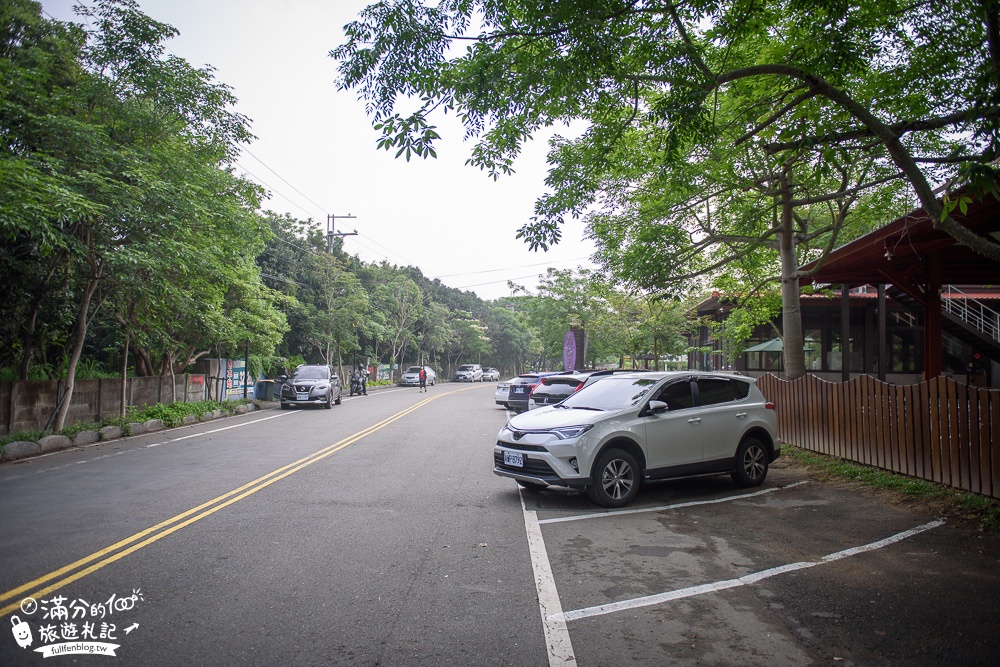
(264, 390)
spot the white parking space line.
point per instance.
(661, 508)
(660, 598)
(557, 641)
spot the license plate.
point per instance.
(519, 390)
(513, 459)
(301, 397)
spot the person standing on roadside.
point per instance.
(423, 379)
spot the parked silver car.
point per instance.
(503, 392)
(491, 374)
(469, 373)
(612, 435)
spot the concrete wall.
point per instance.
(30, 404)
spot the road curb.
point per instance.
(23, 449)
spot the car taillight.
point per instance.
(769, 405)
(578, 387)
(533, 388)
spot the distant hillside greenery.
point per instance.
(129, 244)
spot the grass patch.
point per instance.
(978, 509)
(172, 416)
(30, 436)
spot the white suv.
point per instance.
(613, 434)
(469, 373)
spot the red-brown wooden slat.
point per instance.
(912, 452)
(955, 479)
(938, 430)
(896, 423)
(868, 396)
(934, 430)
(995, 443)
(975, 446)
(887, 429)
(906, 431)
(853, 409)
(919, 428)
(960, 444)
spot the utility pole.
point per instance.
(331, 221)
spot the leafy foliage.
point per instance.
(709, 134)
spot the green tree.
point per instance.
(468, 342)
(400, 303)
(566, 298)
(834, 100)
(131, 146)
(513, 340)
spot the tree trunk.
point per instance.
(340, 362)
(124, 405)
(173, 384)
(28, 344)
(791, 309)
(74, 359)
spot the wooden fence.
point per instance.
(938, 430)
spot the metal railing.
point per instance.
(976, 314)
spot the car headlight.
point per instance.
(570, 432)
(321, 387)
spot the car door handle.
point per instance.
(696, 420)
(741, 415)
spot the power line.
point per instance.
(271, 190)
(248, 152)
(407, 261)
(512, 268)
(495, 282)
(284, 280)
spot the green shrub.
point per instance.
(30, 436)
(174, 413)
(70, 431)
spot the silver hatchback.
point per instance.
(612, 435)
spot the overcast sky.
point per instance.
(316, 153)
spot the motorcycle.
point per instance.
(357, 384)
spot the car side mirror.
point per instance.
(656, 407)
(281, 379)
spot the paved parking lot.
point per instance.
(797, 572)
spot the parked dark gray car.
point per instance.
(311, 385)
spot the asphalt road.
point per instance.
(376, 534)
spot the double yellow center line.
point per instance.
(95, 561)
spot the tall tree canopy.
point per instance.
(115, 171)
(686, 106)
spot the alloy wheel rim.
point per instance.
(753, 462)
(617, 479)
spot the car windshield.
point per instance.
(311, 373)
(413, 369)
(611, 393)
(465, 368)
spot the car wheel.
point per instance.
(616, 479)
(284, 406)
(329, 401)
(751, 463)
(340, 397)
(532, 486)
